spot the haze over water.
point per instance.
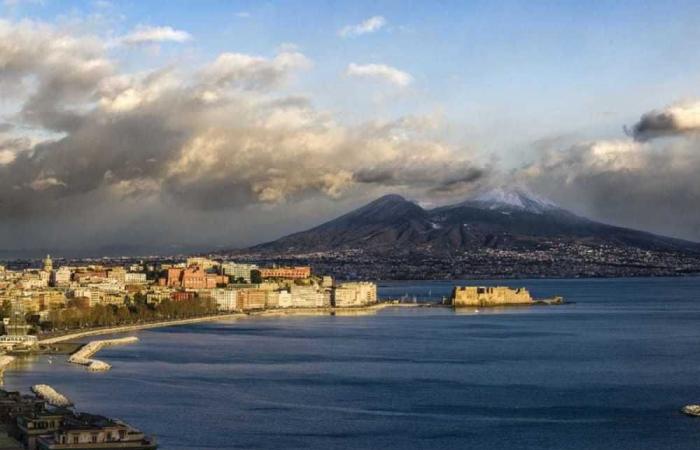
(610, 369)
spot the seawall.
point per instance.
(83, 356)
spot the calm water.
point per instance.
(609, 370)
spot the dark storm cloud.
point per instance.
(673, 120)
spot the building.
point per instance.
(135, 278)
(89, 431)
(238, 271)
(205, 264)
(62, 276)
(489, 296)
(248, 299)
(32, 426)
(48, 264)
(191, 278)
(354, 294)
(88, 276)
(308, 297)
(157, 294)
(51, 299)
(17, 330)
(291, 273)
(181, 296)
(284, 299)
(118, 274)
(225, 298)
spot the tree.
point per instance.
(6, 308)
(255, 277)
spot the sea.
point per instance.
(608, 370)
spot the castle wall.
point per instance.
(489, 296)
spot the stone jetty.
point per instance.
(5, 360)
(84, 354)
(52, 397)
(691, 410)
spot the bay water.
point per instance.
(609, 369)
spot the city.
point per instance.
(41, 303)
(325, 224)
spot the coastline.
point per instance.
(136, 327)
(358, 310)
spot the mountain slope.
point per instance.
(499, 219)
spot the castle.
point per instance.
(490, 296)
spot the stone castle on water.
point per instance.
(490, 296)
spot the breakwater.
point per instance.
(5, 360)
(51, 396)
(83, 356)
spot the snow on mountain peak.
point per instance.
(514, 198)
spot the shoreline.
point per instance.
(276, 312)
(144, 326)
(279, 312)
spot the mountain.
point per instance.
(503, 233)
(498, 219)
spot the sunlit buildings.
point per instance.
(238, 271)
(354, 294)
(225, 298)
(291, 273)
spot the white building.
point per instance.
(225, 298)
(236, 270)
(62, 276)
(308, 297)
(354, 294)
(135, 278)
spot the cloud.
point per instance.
(673, 120)
(243, 15)
(642, 185)
(371, 25)
(253, 72)
(198, 142)
(154, 35)
(380, 72)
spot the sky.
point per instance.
(136, 127)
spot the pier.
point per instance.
(83, 356)
(52, 397)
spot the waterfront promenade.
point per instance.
(134, 327)
(358, 310)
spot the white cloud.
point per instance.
(381, 72)
(243, 15)
(150, 35)
(45, 182)
(370, 25)
(253, 72)
(206, 138)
